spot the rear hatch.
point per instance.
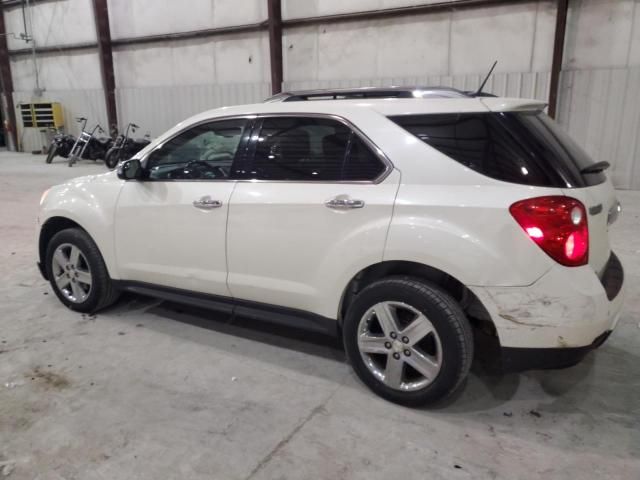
(516, 142)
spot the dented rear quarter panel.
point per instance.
(567, 307)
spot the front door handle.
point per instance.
(344, 202)
(206, 203)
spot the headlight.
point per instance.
(44, 196)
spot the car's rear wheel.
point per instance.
(77, 272)
(407, 340)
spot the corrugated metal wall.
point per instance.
(156, 109)
(599, 108)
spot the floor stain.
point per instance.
(49, 379)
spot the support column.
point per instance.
(274, 8)
(6, 83)
(103, 33)
(558, 52)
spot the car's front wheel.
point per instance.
(77, 272)
(407, 340)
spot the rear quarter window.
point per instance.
(526, 148)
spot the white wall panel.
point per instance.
(634, 44)
(506, 34)
(598, 34)
(467, 41)
(242, 58)
(132, 18)
(543, 36)
(309, 8)
(228, 59)
(72, 71)
(54, 23)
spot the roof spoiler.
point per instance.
(513, 104)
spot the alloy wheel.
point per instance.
(71, 273)
(399, 346)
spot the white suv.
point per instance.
(406, 225)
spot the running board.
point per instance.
(289, 317)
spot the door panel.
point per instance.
(171, 226)
(286, 247)
(162, 238)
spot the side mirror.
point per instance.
(130, 170)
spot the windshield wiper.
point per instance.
(596, 167)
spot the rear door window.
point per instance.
(519, 147)
(311, 149)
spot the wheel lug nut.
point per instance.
(407, 353)
(396, 356)
(393, 335)
(387, 345)
(405, 339)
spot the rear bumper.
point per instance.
(558, 319)
(518, 359)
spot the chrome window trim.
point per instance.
(388, 166)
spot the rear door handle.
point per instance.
(343, 202)
(206, 203)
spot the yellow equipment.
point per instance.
(42, 114)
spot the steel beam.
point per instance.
(103, 32)
(274, 8)
(6, 83)
(55, 49)
(397, 12)
(205, 33)
(558, 53)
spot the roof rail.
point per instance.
(368, 92)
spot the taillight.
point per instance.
(558, 225)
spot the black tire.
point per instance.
(102, 292)
(52, 152)
(446, 317)
(112, 158)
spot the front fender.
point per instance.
(90, 202)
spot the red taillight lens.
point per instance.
(558, 225)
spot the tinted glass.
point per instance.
(311, 149)
(362, 163)
(519, 147)
(204, 152)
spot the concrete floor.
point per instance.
(149, 390)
